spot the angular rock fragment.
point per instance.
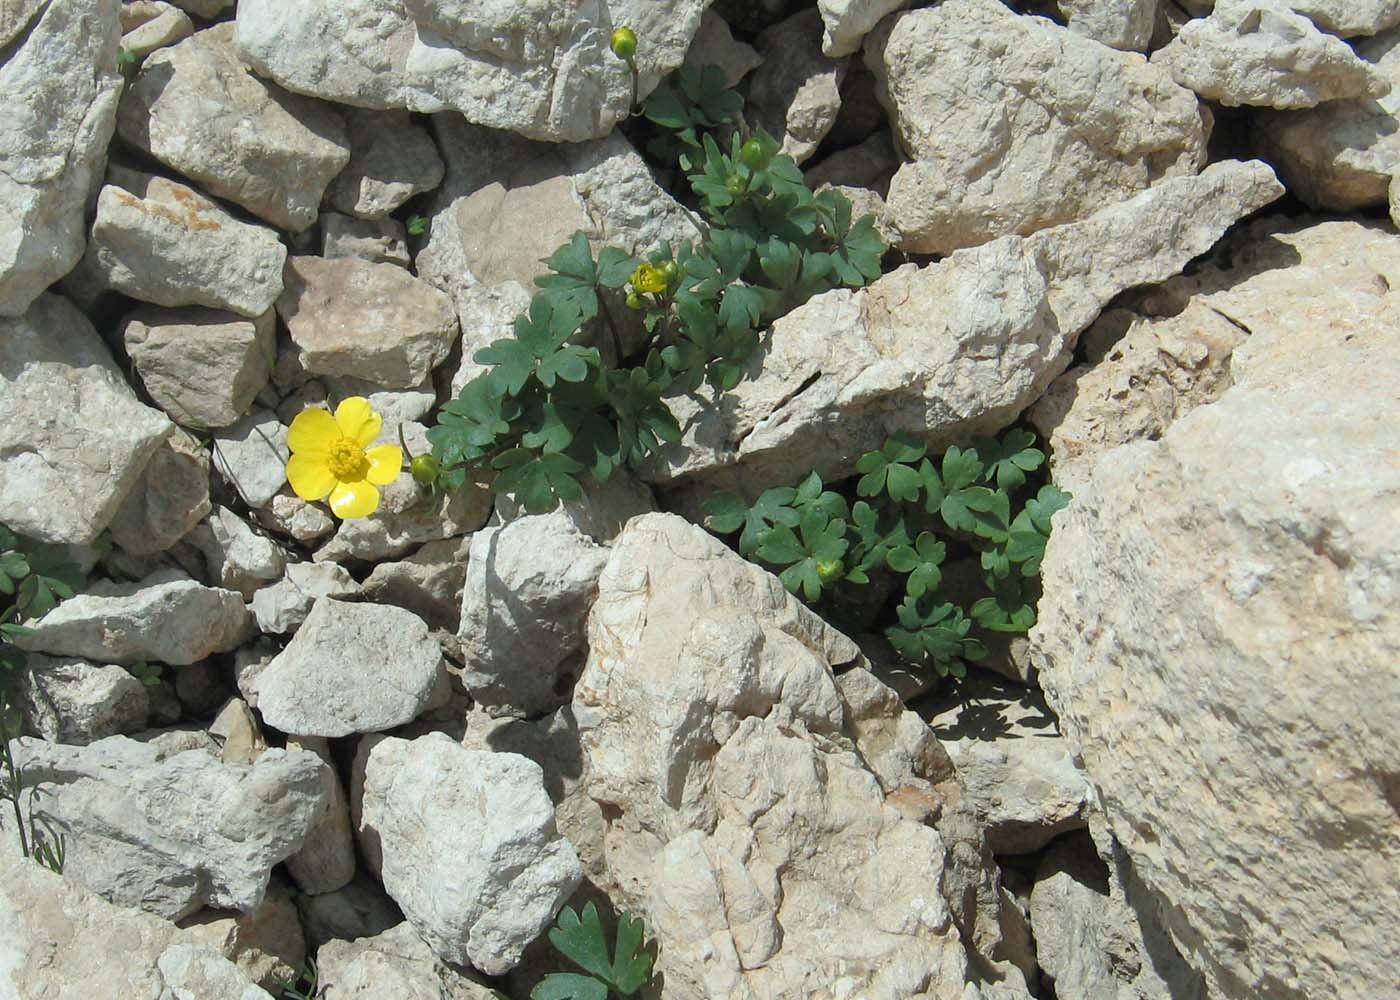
(238, 557)
(1120, 24)
(379, 241)
(67, 700)
(75, 439)
(796, 93)
(351, 668)
(148, 25)
(251, 456)
(428, 583)
(326, 861)
(469, 847)
(393, 963)
(192, 971)
(846, 22)
(61, 86)
(283, 606)
(271, 152)
(391, 160)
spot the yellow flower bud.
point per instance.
(649, 278)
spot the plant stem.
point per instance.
(612, 327)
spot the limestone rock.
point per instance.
(408, 516)
(251, 456)
(61, 87)
(742, 823)
(351, 317)
(148, 25)
(292, 516)
(238, 557)
(1288, 559)
(203, 368)
(360, 909)
(165, 617)
(271, 152)
(379, 241)
(72, 701)
(326, 861)
(1260, 53)
(952, 349)
(715, 45)
(171, 497)
(393, 963)
(846, 22)
(796, 93)
(391, 160)
(1004, 142)
(428, 583)
(171, 835)
(351, 668)
(540, 68)
(469, 847)
(191, 972)
(283, 606)
(75, 438)
(1349, 18)
(1025, 791)
(1342, 154)
(240, 737)
(1119, 24)
(266, 944)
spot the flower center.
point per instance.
(346, 460)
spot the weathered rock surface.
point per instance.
(1003, 139)
(61, 89)
(796, 93)
(541, 68)
(1025, 791)
(742, 823)
(394, 963)
(148, 25)
(379, 241)
(715, 45)
(238, 557)
(326, 861)
(271, 152)
(203, 368)
(1343, 154)
(1350, 18)
(1260, 53)
(283, 606)
(952, 349)
(171, 835)
(1119, 24)
(251, 456)
(73, 701)
(75, 439)
(359, 909)
(1258, 533)
(391, 160)
(171, 497)
(428, 583)
(468, 845)
(351, 668)
(166, 617)
(351, 317)
(192, 972)
(846, 22)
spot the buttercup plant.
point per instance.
(331, 458)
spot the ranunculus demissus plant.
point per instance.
(331, 458)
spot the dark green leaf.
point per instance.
(569, 986)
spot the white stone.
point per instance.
(266, 943)
(846, 22)
(1119, 24)
(271, 152)
(73, 701)
(283, 606)
(540, 67)
(796, 93)
(1014, 124)
(1258, 52)
(393, 963)
(1238, 781)
(165, 617)
(61, 87)
(469, 847)
(237, 556)
(292, 516)
(326, 861)
(193, 973)
(949, 350)
(391, 160)
(171, 835)
(148, 25)
(1350, 18)
(251, 456)
(1025, 790)
(428, 583)
(74, 439)
(351, 668)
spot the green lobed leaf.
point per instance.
(569, 986)
(1008, 460)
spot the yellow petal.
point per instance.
(358, 499)
(385, 464)
(357, 420)
(308, 474)
(312, 431)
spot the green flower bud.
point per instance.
(751, 155)
(624, 43)
(634, 301)
(671, 271)
(425, 469)
(829, 569)
(735, 185)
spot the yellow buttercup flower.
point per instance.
(649, 278)
(331, 455)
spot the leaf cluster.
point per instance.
(554, 405)
(905, 512)
(582, 940)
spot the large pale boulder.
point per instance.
(952, 349)
(540, 67)
(468, 847)
(1258, 52)
(1242, 740)
(58, 72)
(743, 822)
(170, 835)
(1013, 123)
(75, 439)
(196, 108)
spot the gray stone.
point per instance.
(796, 93)
(252, 457)
(1257, 535)
(351, 668)
(266, 944)
(391, 160)
(952, 349)
(846, 22)
(61, 87)
(192, 973)
(290, 515)
(350, 317)
(73, 701)
(483, 819)
(1119, 24)
(165, 617)
(171, 497)
(1005, 137)
(1260, 53)
(171, 835)
(282, 607)
(148, 25)
(75, 439)
(238, 557)
(428, 583)
(1350, 18)
(326, 861)
(379, 241)
(271, 152)
(203, 368)
(541, 68)
(715, 45)
(1025, 791)
(393, 963)
(360, 909)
